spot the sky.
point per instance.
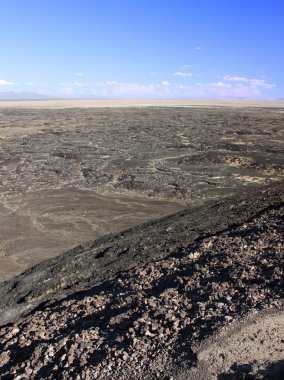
(143, 49)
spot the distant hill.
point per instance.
(24, 96)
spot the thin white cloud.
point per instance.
(70, 88)
(134, 89)
(198, 48)
(219, 84)
(75, 83)
(113, 89)
(223, 88)
(156, 73)
(262, 83)
(171, 90)
(187, 66)
(249, 81)
(182, 74)
(229, 90)
(232, 78)
(4, 82)
(78, 74)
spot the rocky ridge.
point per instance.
(103, 259)
(148, 321)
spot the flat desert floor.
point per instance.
(71, 171)
(82, 103)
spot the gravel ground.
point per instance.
(146, 322)
(232, 353)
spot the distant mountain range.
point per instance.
(24, 96)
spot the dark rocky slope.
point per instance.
(100, 260)
(212, 310)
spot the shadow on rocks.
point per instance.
(254, 371)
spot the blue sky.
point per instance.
(143, 49)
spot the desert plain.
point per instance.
(145, 184)
(69, 175)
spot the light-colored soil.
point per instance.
(40, 225)
(139, 103)
(251, 347)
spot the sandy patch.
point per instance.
(43, 224)
(249, 346)
(250, 179)
(238, 162)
